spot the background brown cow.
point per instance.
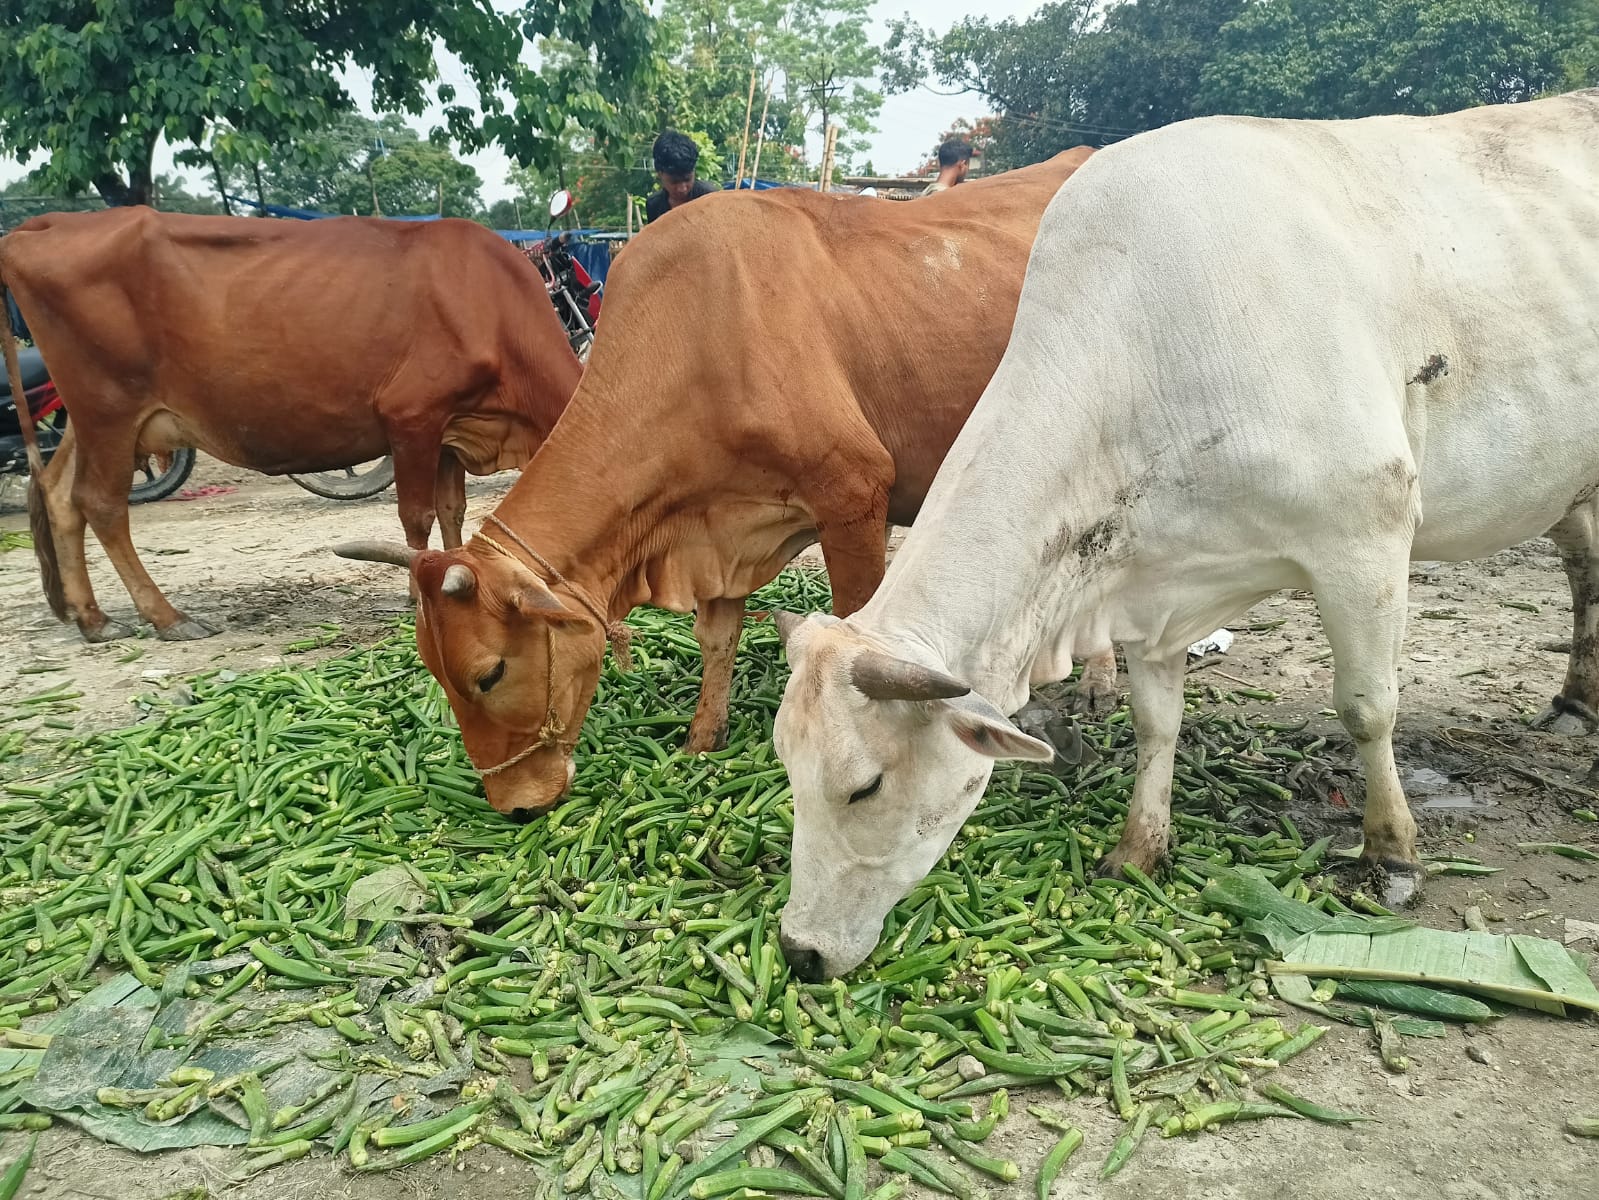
(773, 370)
(280, 346)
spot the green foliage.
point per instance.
(359, 166)
(800, 54)
(1076, 73)
(1030, 70)
(1345, 58)
(95, 86)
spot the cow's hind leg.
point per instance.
(717, 624)
(100, 491)
(1576, 709)
(449, 496)
(1363, 611)
(58, 543)
(1157, 694)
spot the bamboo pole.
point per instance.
(760, 135)
(744, 145)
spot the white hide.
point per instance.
(1250, 355)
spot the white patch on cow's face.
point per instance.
(881, 787)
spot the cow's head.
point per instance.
(887, 758)
(518, 665)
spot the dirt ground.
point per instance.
(1477, 1118)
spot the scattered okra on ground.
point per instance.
(577, 973)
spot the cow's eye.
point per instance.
(869, 790)
(493, 677)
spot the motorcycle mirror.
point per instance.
(560, 204)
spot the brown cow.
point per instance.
(280, 346)
(774, 370)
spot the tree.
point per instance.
(367, 167)
(1141, 67)
(1346, 58)
(827, 56)
(95, 87)
(1074, 73)
(1030, 71)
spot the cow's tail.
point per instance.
(44, 542)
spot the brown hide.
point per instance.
(773, 369)
(283, 347)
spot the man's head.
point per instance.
(955, 158)
(517, 662)
(676, 157)
(887, 759)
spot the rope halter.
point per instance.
(617, 635)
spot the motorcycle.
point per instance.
(156, 476)
(575, 294)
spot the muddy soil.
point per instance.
(1477, 1118)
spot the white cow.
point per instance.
(1250, 355)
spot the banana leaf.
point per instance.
(1530, 972)
(1297, 990)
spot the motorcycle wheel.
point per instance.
(160, 475)
(352, 483)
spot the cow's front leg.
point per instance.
(449, 498)
(416, 472)
(1366, 626)
(852, 525)
(1157, 694)
(1576, 709)
(717, 625)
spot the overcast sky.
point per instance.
(907, 127)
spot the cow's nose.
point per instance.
(522, 816)
(807, 963)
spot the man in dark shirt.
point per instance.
(676, 157)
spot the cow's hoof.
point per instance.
(108, 631)
(1568, 718)
(1400, 881)
(1110, 867)
(1095, 698)
(698, 743)
(186, 630)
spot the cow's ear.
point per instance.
(983, 728)
(534, 599)
(796, 629)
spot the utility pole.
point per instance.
(824, 180)
(823, 91)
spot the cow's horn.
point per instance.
(382, 552)
(881, 676)
(458, 580)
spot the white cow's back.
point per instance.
(1238, 343)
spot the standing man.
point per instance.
(954, 160)
(676, 157)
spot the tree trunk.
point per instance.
(222, 187)
(118, 192)
(260, 190)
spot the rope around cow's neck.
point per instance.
(616, 633)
